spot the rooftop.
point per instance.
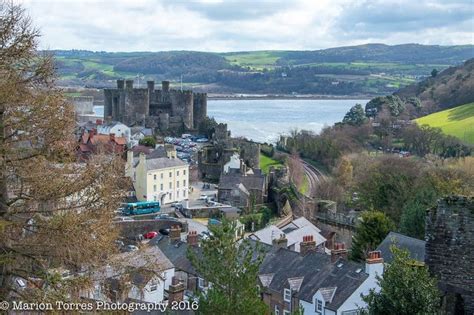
(414, 246)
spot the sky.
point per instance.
(241, 25)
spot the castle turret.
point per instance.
(151, 86)
(165, 86)
(120, 84)
(200, 108)
(129, 84)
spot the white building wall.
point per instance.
(120, 130)
(355, 301)
(173, 183)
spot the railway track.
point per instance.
(314, 177)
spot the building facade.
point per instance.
(160, 179)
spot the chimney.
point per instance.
(339, 251)
(175, 233)
(374, 264)
(280, 242)
(98, 122)
(308, 244)
(176, 290)
(142, 159)
(192, 238)
(129, 84)
(243, 167)
(92, 132)
(330, 239)
(112, 137)
(120, 84)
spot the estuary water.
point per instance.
(265, 120)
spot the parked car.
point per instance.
(131, 248)
(175, 204)
(164, 231)
(150, 235)
(123, 219)
(162, 216)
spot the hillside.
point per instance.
(373, 69)
(457, 121)
(449, 88)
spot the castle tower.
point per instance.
(199, 109)
(449, 255)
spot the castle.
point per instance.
(165, 109)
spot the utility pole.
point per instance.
(181, 80)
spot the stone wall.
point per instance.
(450, 252)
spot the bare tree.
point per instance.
(54, 212)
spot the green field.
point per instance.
(266, 162)
(458, 122)
(257, 60)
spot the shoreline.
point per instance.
(231, 97)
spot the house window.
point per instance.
(154, 177)
(171, 185)
(285, 312)
(161, 187)
(177, 194)
(154, 287)
(184, 193)
(177, 184)
(287, 295)
(161, 175)
(177, 173)
(184, 172)
(171, 174)
(318, 305)
(277, 311)
(202, 283)
(184, 183)
(154, 188)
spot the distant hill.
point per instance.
(373, 69)
(457, 121)
(451, 87)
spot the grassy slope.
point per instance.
(458, 122)
(266, 162)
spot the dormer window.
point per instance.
(318, 306)
(287, 295)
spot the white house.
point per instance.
(164, 179)
(116, 128)
(324, 301)
(142, 275)
(293, 232)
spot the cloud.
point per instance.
(233, 25)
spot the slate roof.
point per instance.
(231, 180)
(176, 252)
(415, 247)
(294, 232)
(159, 163)
(316, 272)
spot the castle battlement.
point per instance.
(163, 108)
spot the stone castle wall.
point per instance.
(450, 252)
(165, 109)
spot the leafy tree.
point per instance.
(405, 288)
(54, 213)
(231, 267)
(207, 127)
(344, 172)
(148, 141)
(355, 116)
(372, 228)
(434, 73)
(412, 222)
